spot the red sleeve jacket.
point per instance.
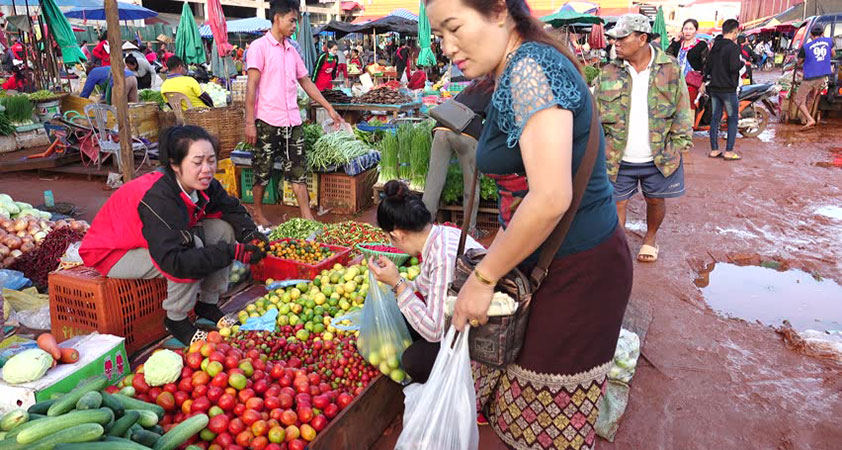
(153, 212)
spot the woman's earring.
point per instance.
(501, 24)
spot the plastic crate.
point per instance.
(83, 301)
(226, 173)
(345, 194)
(312, 188)
(485, 221)
(284, 269)
(270, 195)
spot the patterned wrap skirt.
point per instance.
(549, 398)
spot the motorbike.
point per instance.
(753, 117)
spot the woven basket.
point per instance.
(397, 258)
(227, 124)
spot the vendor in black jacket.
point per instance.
(690, 51)
(722, 75)
(177, 223)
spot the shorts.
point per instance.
(286, 143)
(806, 87)
(647, 176)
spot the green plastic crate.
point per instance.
(270, 195)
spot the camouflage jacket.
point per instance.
(670, 117)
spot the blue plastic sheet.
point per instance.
(12, 279)
(265, 322)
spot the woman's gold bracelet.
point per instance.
(483, 279)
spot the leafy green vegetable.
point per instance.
(295, 228)
(454, 186)
(6, 127)
(334, 149)
(42, 95)
(591, 72)
(244, 147)
(404, 134)
(150, 95)
(312, 132)
(18, 107)
(388, 158)
(422, 140)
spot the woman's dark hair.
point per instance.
(528, 27)
(401, 209)
(483, 85)
(84, 42)
(174, 143)
(131, 60)
(693, 21)
(331, 44)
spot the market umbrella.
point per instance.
(221, 66)
(596, 40)
(188, 43)
(62, 32)
(566, 17)
(425, 56)
(580, 7)
(127, 11)
(660, 28)
(219, 28)
(305, 40)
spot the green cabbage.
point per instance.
(28, 365)
(162, 367)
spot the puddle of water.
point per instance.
(636, 225)
(758, 293)
(834, 212)
(767, 136)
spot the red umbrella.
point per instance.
(219, 29)
(597, 37)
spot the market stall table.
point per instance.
(395, 110)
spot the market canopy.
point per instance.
(83, 3)
(569, 18)
(188, 43)
(580, 7)
(253, 25)
(127, 11)
(660, 28)
(62, 32)
(389, 24)
(339, 28)
(308, 45)
(403, 14)
(425, 55)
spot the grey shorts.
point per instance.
(646, 177)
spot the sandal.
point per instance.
(227, 321)
(733, 157)
(808, 127)
(715, 154)
(648, 253)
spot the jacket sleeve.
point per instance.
(172, 248)
(673, 48)
(318, 67)
(232, 211)
(701, 51)
(735, 62)
(681, 130)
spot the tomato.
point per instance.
(305, 414)
(259, 428)
(344, 400)
(277, 372)
(195, 347)
(230, 362)
(139, 384)
(288, 390)
(185, 385)
(307, 432)
(273, 447)
(218, 424)
(275, 414)
(244, 438)
(289, 417)
(250, 416)
(200, 404)
(224, 439)
(285, 401)
(220, 380)
(166, 400)
(331, 410)
(207, 435)
(186, 406)
(237, 381)
(292, 432)
(245, 394)
(276, 435)
(200, 378)
(319, 422)
(215, 446)
(227, 402)
(186, 372)
(285, 381)
(260, 386)
(214, 394)
(236, 426)
(259, 443)
(303, 399)
(253, 354)
(313, 378)
(255, 403)
(239, 409)
(297, 444)
(172, 388)
(154, 392)
(214, 337)
(199, 391)
(215, 411)
(207, 349)
(194, 360)
(273, 391)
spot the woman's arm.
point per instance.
(546, 148)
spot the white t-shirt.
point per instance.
(638, 148)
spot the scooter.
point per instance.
(753, 118)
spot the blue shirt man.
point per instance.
(102, 76)
(816, 56)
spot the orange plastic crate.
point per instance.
(346, 194)
(83, 301)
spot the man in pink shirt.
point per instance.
(273, 121)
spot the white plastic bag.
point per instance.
(444, 415)
(383, 333)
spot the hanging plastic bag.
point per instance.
(443, 415)
(383, 333)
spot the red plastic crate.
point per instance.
(83, 301)
(284, 269)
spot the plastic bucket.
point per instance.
(46, 110)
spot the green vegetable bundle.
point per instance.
(388, 158)
(312, 132)
(591, 72)
(18, 107)
(42, 95)
(405, 134)
(454, 190)
(6, 127)
(335, 149)
(243, 146)
(295, 228)
(150, 95)
(422, 140)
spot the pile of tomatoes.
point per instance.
(298, 250)
(262, 391)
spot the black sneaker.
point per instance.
(184, 330)
(208, 311)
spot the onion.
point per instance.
(20, 225)
(4, 251)
(5, 222)
(27, 246)
(2, 233)
(13, 242)
(16, 253)
(8, 261)
(60, 223)
(77, 225)
(43, 224)
(33, 228)
(21, 234)
(39, 236)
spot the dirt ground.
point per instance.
(705, 381)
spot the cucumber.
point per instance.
(132, 429)
(192, 447)
(180, 433)
(147, 419)
(123, 424)
(2, 435)
(80, 433)
(41, 407)
(34, 416)
(109, 401)
(144, 437)
(50, 425)
(91, 400)
(157, 429)
(110, 443)
(68, 401)
(132, 403)
(13, 418)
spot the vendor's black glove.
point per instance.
(256, 235)
(247, 253)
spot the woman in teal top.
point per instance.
(533, 140)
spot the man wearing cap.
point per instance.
(815, 56)
(645, 111)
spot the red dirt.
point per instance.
(705, 381)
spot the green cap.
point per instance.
(629, 23)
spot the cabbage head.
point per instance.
(28, 365)
(162, 367)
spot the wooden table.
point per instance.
(395, 110)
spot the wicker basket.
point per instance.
(397, 258)
(228, 124)
(143, 118)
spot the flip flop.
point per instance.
(715, 154)
(807, 127)
(648, 253)
(734, 157)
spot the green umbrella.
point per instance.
(188, 42)
(567, 17)
(660, 28)
(425, 56)
(62, 32)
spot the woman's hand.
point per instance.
(472, 303)
(384, 270)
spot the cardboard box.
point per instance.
(98, 354)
